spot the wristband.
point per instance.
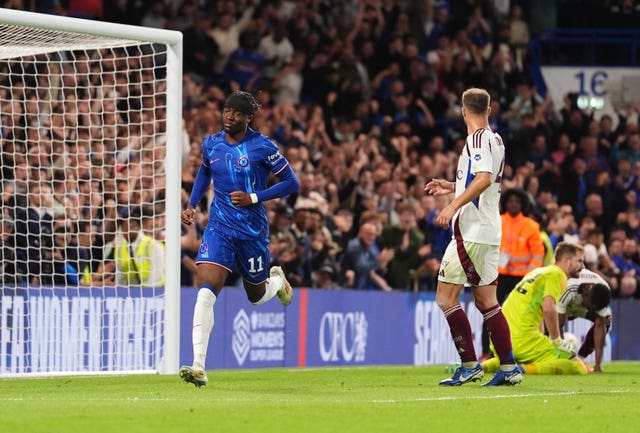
(557, 342)
(254, 197)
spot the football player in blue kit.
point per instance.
(238, 160)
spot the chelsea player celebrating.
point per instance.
(238, 161)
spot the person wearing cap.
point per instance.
(238, 161)
(325, 277)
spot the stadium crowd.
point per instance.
(363, 97)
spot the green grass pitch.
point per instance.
(351, 399)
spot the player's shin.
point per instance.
(271, 287)
(203, 320)
(461, 334)
(498, 330)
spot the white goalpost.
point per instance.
(90, 172)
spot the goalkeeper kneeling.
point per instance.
(530, 309)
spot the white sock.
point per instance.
(202, 326)
(272, 285)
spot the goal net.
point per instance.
(90, 119)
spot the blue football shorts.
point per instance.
(249, 256)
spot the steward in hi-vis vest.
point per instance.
(139, 258)
(522, 248)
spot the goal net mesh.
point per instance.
(82, 133)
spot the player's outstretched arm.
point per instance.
(439, 187)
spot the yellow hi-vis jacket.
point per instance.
(549, 255)
(521, 248)
(138, 269)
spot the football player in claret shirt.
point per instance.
(472, 254)
(238, 160)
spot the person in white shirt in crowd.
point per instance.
(276, 48)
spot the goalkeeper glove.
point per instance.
(564, 345)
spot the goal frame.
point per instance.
(173, 41)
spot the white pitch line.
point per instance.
(522, 395)
(389, 401)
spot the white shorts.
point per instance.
(470, 263)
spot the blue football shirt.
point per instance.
(243, 166)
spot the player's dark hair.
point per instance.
(244, 102)
(600, 296)
(525, 203)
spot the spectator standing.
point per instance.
(521, 247)
(438, 235)
(574, 189)
(68, 259)
(200, 49)
(406, 240)
(184, 15)
(289, 81)
(594, 207)
(276, 49)
(626, 259)
(341, 225)
(525, 102)
(244, 67)
(155, 16)
(308, 196)
(34, 232)
(89, 245)
(8, 271)
(282, 245)
(595, 250)
(595, 160)
(298, 268)
(473, 253)
(322, 247)
(227, 34)
(360, 265)
(519, 33)
(629, 148)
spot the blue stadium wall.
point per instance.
(90, 329)
(331, 328)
